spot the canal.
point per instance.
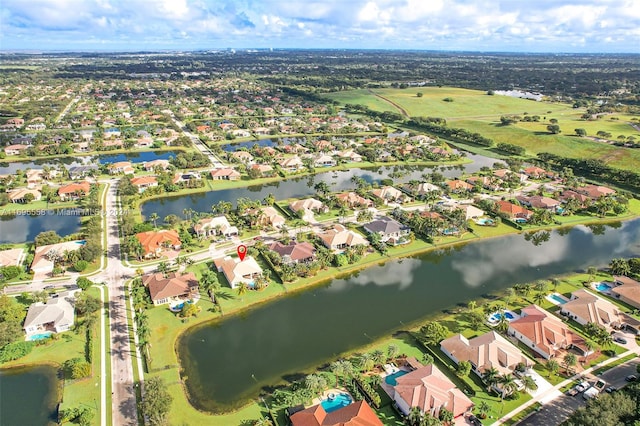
(303, 186)
(28, 396)
(227, 363)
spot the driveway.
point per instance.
(559, 410)
(543, 386)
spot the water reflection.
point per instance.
(18, 229)
(398, 273)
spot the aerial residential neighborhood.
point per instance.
(356, 213)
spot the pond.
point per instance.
(28, 396)
(226, 363)
(134, 157)
(303, 186)
(23, 228)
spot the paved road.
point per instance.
(122, 383)
(561, 408)
(197, 142)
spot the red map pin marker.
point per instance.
(242, 252)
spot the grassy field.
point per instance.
(478, 112)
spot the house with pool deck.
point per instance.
(427, 388)
(237, 271)
(356, 414)
(484, 352)
(545, 333)
(627, 290)
(55, 316)
(172, 287)
(585, 307)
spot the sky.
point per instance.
(469, 25)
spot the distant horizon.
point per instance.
(544, 26)
(233, 50)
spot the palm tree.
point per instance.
(375, 381)
(414, 417)
(366, 362)
(153, 217)
(378, 357)
(483, 409)
(507, 384)
(163, 267)
(392, 351)
(491, 377)
(540, 286)
(569, 361)
(590, 346)
(312, 382)
(472, 305)
(337, 368)
(620, 266)
(553, 366)
(529, 384)
(263, 422)
(243, 287)
(445, 416)
(538, 298)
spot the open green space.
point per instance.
(476, 111)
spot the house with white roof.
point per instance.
(237, 271)
(57, 315)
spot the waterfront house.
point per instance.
(353, 200)
(390, 230)
(80, 172)
(57, 315)
(225, 174)
(389, 194)
(470, 212)
(489, 350)
(427, 388)
(425, 187)
(585, 307)
(74, 191)
(513, 211)
(358, 413)
(339, 238)
(144, 182)
(156, 164)
(324, 160)
(124, 167)
(292, 164)
(595, 191)
(155, 242)
(20, 195)
(44, 257)
(625, 289)
(458, 186)
(172, 287)
(535, 172)
(568, 194)
(267, 216)
(294, 252)
(545, 333)
(215, 225)
(308, 204)
(262, 169)
(242, 156)
(539, 202)
(15, 149)
(237, 271)
(11, 257)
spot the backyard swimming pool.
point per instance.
(494, 318)
(391, 378)
(557, 299)
(337, 402)
(603, 287)
(485, 221)
(39, 336)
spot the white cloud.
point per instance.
(544, 25)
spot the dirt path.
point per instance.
(389, 101)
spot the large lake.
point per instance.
(70, 161)
(28, 396)
(227, 363)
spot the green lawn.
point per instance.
(474, 110)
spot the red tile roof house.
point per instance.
(595, 191)
(568, 194)
(171, 288)
(352, 200)
(513, 211)
(430, 390)
(294, 252)
(225, 174)
(535, 172)
(539, 202)
(357, 414)
(153, 164)
(155, 242)
(545, 333)
(144, 182)
(74, 191)
(459, 186)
